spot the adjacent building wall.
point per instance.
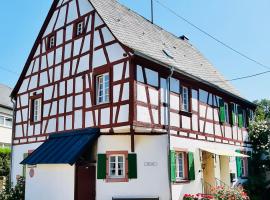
(54, 182)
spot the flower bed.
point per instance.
(220, 193)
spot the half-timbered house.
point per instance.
(111, 106)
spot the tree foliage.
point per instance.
(5, 155)
(259, 163)
(263, 110)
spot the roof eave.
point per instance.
(194, 78)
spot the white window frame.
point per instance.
(185, 99)
(51, 41)
(117, 175)
(227, 117)
(36, 110)
(177, 166)
(102, 88)
(5, 118)
(79, 28)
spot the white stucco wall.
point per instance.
(54, 182)
(17, 157)
(152, 181)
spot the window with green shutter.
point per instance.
(182, 166)
(232, 108)
(222, 110)
(132, 166)
(238, 165)
(240, 116)
(101, 166)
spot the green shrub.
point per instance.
(16, 193)
(5, 155)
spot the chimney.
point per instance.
(184, 38)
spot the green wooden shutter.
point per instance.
(232, 114)
(102, 169)
(238, 165)
(173, 166)
(249, 153)
(221, 110)
(191, 167)
(240, 117)
(132, 166)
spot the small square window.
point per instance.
(79, 28)
(102, 88)
(51, 42)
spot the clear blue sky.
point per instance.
(243, 24)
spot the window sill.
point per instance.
(116, 180)
(181, 182)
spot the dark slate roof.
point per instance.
(5, 100)
(143, 37)
(63, 148)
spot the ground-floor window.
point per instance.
(242, 165)
(117, 166)
(182, 166)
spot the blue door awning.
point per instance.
(63, 148)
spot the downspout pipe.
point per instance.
(168, 81)
(13, 132)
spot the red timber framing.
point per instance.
(59, 82)
(68, 83)
(197, 131)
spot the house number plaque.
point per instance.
(150, 164)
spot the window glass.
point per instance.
(36, 110)
(52, 41)
(185, 99)
(79, 29)
(103, 84)
(174, 85)
(180, 166)
(116, 166)
(5, 121)
(226, 107)
(8, 122)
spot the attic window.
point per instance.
(51, 41)
(167, 53)
(79, 28)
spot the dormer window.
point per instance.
(51, 42)
(36, 104)
(79, 28)
(102, 88)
